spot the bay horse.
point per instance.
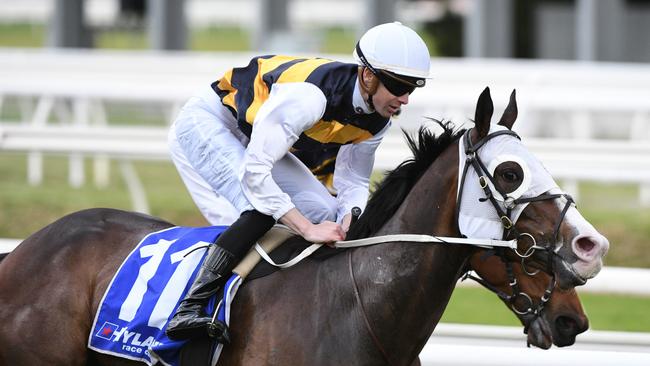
(365, 306)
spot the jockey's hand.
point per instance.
(326, 232)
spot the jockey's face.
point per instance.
(387, 104)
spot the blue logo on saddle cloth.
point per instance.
(141, 298)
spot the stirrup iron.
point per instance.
(219, 331)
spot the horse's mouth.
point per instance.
(540, 334)
(562, 333)
(568, 277)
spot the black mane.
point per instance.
(393, 189)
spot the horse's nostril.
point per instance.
(566, 325)
(585, 244)
(567, 328)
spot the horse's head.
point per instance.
(549, 315)
(505, 192)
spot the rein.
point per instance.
(393, 238)
(473, 160)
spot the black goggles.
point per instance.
(396, 85)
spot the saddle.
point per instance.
(281, 244)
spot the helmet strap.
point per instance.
(370, 103)
(370, 87)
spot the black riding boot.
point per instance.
(190, 321)
(231, 246)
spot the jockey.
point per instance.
(236, 142)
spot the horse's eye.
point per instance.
(510, 176)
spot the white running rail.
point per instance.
(460, 344)
(566, 159)
(599, 111)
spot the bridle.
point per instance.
(528, 312)
(520, 302)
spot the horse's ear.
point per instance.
(483, 116)
(510, 114)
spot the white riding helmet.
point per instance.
(396, 48)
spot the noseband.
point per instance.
(528, 312)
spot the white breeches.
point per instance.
(207, 148)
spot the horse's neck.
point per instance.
(412, 283)
(431, 205)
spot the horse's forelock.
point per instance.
(389, 194)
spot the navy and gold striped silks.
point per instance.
(321, 163)
(244, 90)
